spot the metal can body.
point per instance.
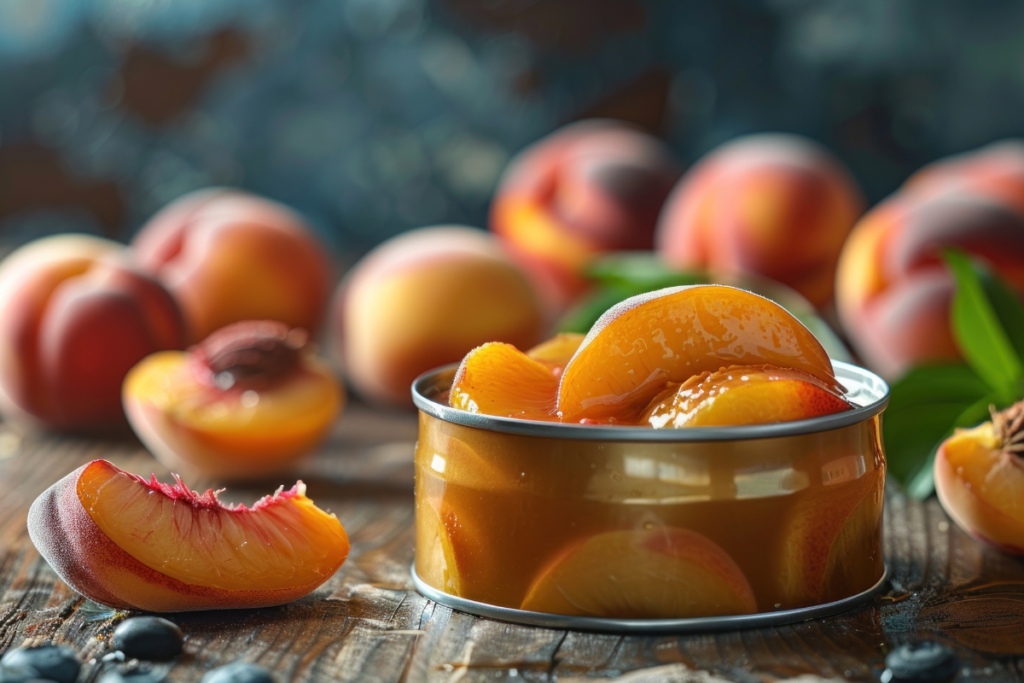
(786, 516)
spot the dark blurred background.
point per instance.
(375, 116)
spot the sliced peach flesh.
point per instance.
(831, 547)
(499, 379)
(284, 541)
(645, 574)
(445, 546)
(211, 428)
(557, 351)
(979, 483)
(744, 395)
(641, 344)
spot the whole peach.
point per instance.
(995, 171)
(771, 204)
(893, 291)
(228, 256)
(590, 187)
(424, 299)
(75, 316)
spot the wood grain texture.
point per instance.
(367, 624)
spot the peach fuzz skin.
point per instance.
(75, 316)
(979, 484)
(995, 171)
(228, 256)
(90, 561)
(775, 205)
(641, 344)
(590, 187)
(425, 299)
(892, 290)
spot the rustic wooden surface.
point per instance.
(367, 624)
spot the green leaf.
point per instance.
(922, 406)
(922, 483)
(1007, 307)
(978, 332)
(641, 270)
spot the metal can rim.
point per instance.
(866, 390)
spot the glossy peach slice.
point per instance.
(499, 379)
(641, 344)
(646, 574)
(135, 544)
(445, 546)
(557, 351)
(832, 542)
(243, 423)
(979, 477)
(742, 395)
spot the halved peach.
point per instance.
(642, 343)
(979, 477)
(642, 574)
(743, 395)
(499, 379)
(135, 544)
(244, 404)
(557, 351)
(832, 541)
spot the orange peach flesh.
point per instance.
(557, 351)
(132, 544)
(825, 547)
(651, 574)
(743, 395)
(498, 379)
(979, 484)
(641, 344)
(229, 433)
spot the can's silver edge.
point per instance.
(605, 625)
(507, 425)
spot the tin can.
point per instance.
(626, 529)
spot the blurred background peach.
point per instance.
(251, 152)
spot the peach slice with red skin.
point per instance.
(499, 379)
(643, 343)
(979, 477)
(661, 573)
(247, 402)
(134, 544)
(741, 395)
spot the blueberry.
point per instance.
(55, 662)
(239, 672)
(924, 662)
(150, 638)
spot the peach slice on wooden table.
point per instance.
(245, 403)
(499, 379)
(743, 395)
(824, 554)
(660, 573)
(135, 544)
(979, 477)
(641, 344)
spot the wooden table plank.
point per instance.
(368, 624)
